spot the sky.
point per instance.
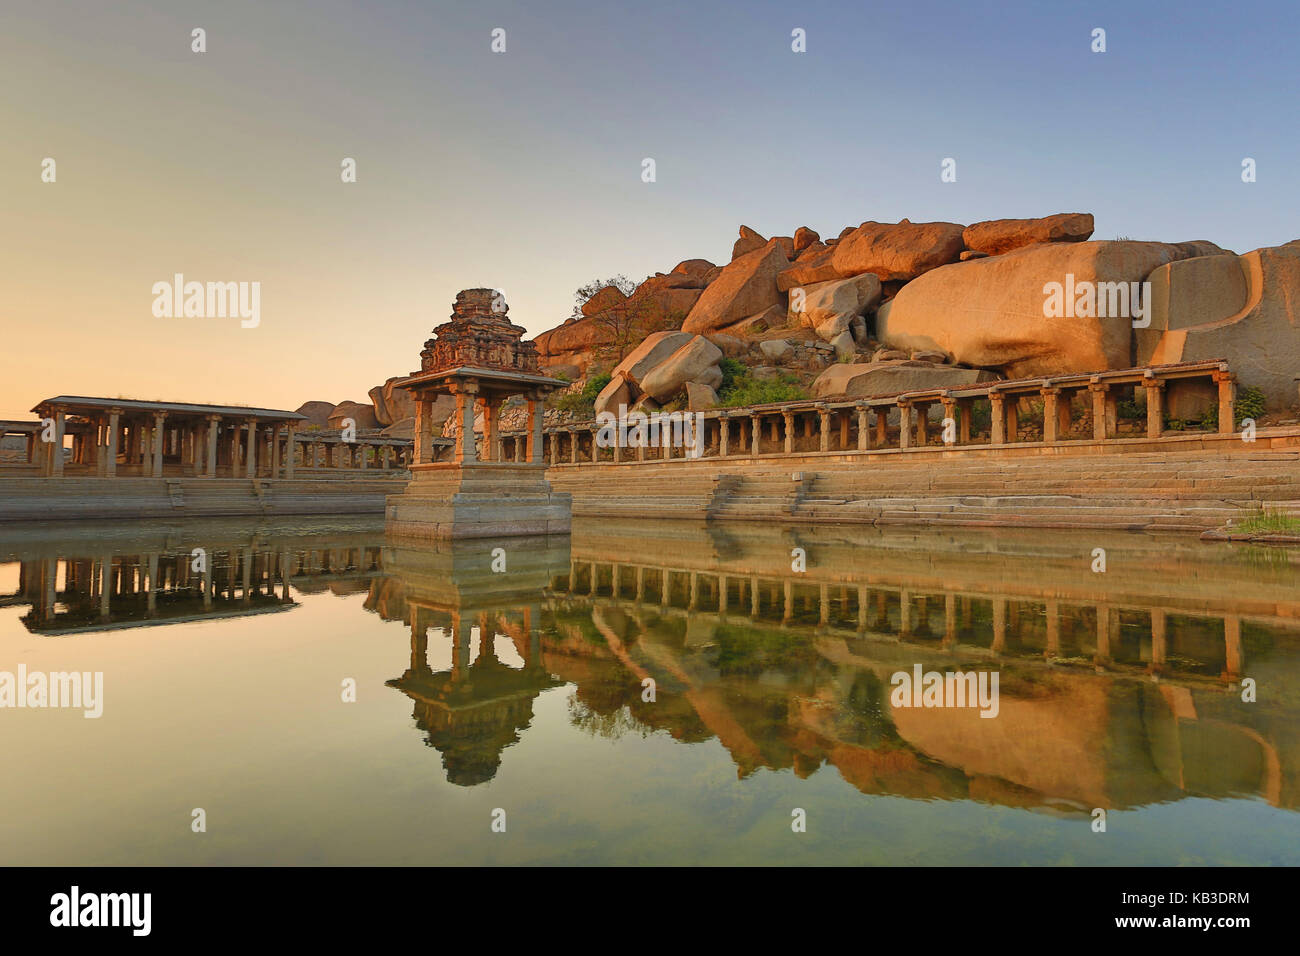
(522, 170)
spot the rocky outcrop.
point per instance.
(317, 413)
(363, 416)
(869, 379)
(391, 404)
(990, 312)
(749, 241)
(1243, 309)
(804, 237)
(654, 351)
(746, 287)
(606, 298)
(902, 250)
(997, 236)
(830, 308)
(696, 361)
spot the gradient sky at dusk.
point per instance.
(522, 170)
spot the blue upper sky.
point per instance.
(522, 170)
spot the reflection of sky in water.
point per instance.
(242, 716)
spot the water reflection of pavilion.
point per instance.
(77, 580)
(473, 711)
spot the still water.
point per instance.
(646, 693)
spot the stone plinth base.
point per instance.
(478, 501)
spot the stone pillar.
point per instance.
(1155, 406)
(251, 462)
(950, 413)
(491, 408)
(787, 419)
(56, 447)
(235, 433)
(555, 447)
(536, 412)
(159, 420)
(922, 420)
(1103, 410)
(573, 445)
(905, 414)
(864, 432)
(276, 462)
(290, 448)
(824, 420)
(595, 446)
(465, 451)
(999, 419)
(1227, 401)
(724, 435)
(1063, 415)
(423, 431)
(110, 453)
(755, 430)
(1051, 416)
(1013, 419)
(882, 428)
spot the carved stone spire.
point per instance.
(479, 336)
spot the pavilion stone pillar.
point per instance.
(251, 464)
(1155, 406)
(491, 412)
(824, 417)
(273, 466)
(595, 447)
(464, 393)
(536, 418)
(1227, 401)
(864, 432)
(159, 427)
(998, 423)
(110, 456)
(724, 435)
(290, 448)
(55, 451)
(755, 434)
(555, 448)
(573, 445)
(1051, 414)
(949, 414)
(1103, 410)
(906, 412)
(787, 419)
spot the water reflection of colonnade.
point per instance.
(88, 583)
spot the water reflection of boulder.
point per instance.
(1109, 698)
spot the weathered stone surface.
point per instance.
(603, 299)
(391, 404)
(844, 345)
(749, 241)
(362, 415)
(775, 349)
(972, 254)
(990, 312)
(876, 378)
(318, 413)
(891, 251)
(929, 355)
(732, 347)
(401, 429)
(700, 397)
(617, 392)
(890, 355)
(804, 237)
(997, 236)
(828, 307)
(696, 361)
(1260, 339)
(652, 352)
(772, 318)
(746, 287)
(693, 267)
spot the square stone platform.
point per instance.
(478, 500)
